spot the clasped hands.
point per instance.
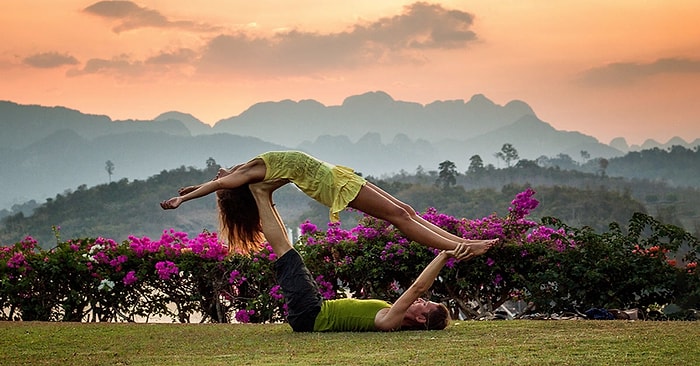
(461, 252)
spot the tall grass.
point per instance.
(463, 343)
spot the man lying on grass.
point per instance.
(308, 311)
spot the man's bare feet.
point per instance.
(185, 190)
(267, 186)
(222, 172)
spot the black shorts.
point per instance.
(300, 291)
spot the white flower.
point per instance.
(106, 284)
(96, 248)
(90, 258)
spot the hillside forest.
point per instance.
(594, 194)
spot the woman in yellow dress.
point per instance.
(335, 186)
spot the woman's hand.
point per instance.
(171, 203)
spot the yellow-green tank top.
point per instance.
(348, 315)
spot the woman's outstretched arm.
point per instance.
(202, 190)
(250, 172)
(221, 173)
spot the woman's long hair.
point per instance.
(239, 220)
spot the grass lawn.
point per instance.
(526, 342)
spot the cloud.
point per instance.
(125, 66)
(419, 27)
(121, 65)
(403, 38)
(49, 60)
(180, 56)
(626, 73)
(129, 16)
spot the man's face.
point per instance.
(421, 307)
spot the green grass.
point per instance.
(463, 343)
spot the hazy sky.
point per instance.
(607, 68)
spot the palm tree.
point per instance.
(603, 163)
(109, 167)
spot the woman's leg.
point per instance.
(438, 230)
(375, 202)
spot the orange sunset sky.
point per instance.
(607, 68)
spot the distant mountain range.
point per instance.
(47, 150)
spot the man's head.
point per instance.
(426, 315)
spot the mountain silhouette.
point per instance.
(45, 151)
(195, 126)
(292, 123)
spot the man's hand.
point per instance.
(461, 252)
(470, 249)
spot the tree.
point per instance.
(421, 176)
(526, 164)
(543, 161)
(420, 171)
(211, 163)
(603, 163)
(508, 154)
(585, 155)
(109, 167)
(447, 175)
(563, 161)
(476, 165)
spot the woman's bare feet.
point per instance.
(475, 248)
(480, 247)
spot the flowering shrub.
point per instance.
(548, 263)
(253, 291)
(617, 269)
(243, 316)
(555, 266)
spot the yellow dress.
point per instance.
(332, 185)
